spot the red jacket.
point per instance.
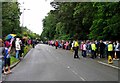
(56, 43)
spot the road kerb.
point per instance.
(109, 65)
(13, 65)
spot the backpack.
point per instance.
(89, 47)
(3, 51)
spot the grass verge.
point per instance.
(26, 50)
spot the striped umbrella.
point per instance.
(10, 36)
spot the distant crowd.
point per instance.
(94, 49)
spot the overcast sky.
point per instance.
(35, 12)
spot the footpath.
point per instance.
(104, 61)
(115, 64)
(13, 65)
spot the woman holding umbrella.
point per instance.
(7, 50)
(7, 57)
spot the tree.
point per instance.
(106, 21)
(86, 20)
(10, 18)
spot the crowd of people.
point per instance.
(13, 45)
(90, 48)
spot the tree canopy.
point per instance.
(11, 21)
(95, 20)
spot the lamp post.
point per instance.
(24, 9)
(23, 16)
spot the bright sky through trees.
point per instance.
(35, 11)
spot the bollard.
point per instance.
(110, 61)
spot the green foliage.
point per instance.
(64, 37)
(106, 22)
(26, 50)
(11, 21)
(13, 60)
(49, 24)
(87, 20)
(10, 18)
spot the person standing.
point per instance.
(93, 47)
(84, 49)
(106, 49)
(76, 46)
(102, 49)
(33, 43)
(18, 47)
(52, 42)
(7, 57)
(72, 47)
(22, 48)
(56, 44)
(110, 49)
(89, 48)
(97, 43)
(81, 47)
(117, 50)
(66, 45)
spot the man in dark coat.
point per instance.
(102, 48)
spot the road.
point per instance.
(45, 63)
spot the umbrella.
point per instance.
(10, 36)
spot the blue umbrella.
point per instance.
(10, 36)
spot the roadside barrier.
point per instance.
(110, 61)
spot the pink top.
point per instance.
(81, 46)
(84, 46)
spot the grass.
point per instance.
(26, 50)
(13, 60)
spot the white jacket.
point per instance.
(116, 47)
(17, 45)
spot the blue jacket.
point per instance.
(6, 53)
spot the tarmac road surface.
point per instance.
(45, 63)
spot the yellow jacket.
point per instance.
(110, 47)
(76, 44)
(93, 46)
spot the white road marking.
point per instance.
(76, 73)
(108, 65)
(82, 79)
(68, 67)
